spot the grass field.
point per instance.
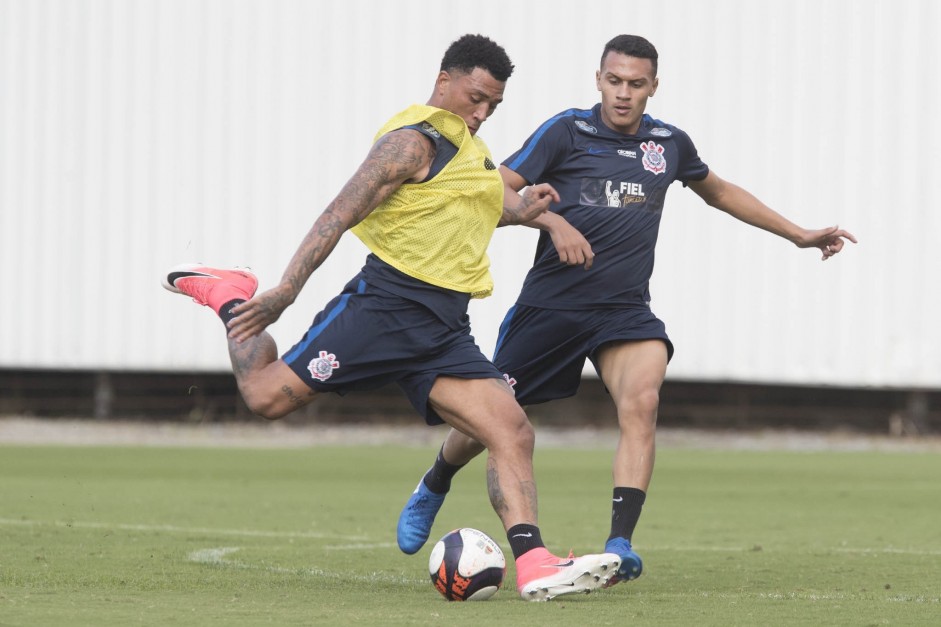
(188, 536)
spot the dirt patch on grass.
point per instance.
(86, 432)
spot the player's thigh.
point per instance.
(632, 370)
(484, 409)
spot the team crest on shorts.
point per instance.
(653, 160)
(322, 367)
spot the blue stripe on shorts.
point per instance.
(317, 330)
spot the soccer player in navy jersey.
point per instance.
(425, 201)
(611, 165)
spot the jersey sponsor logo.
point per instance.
(653, 160)
(488, 164)
(428, 128)
(631, 154)
(610, 193)
(585, 126)
(623, 193)
(660, 132)
(322, 367)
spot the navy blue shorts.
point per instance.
(543, 351)
(367, 337)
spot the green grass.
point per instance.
(127, 536)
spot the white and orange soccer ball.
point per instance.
(467, 565)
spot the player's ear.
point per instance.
(654, 85)
(598, 79)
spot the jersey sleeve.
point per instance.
(691, 166)
(544, 149)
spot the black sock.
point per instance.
(225, 312)
(438, 478)
(626, 511)
(524, 538)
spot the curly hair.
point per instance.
(632, 46)
(472, 51)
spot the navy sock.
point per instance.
(524, 538)
(626, 511)
(225, 312)
(438, 478)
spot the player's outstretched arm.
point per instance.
(397, 157)
(742, 205)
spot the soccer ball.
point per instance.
(467, 565)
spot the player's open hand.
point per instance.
(830, 241)
(253, 317)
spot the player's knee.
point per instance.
(641, 406)
(265, 404)
(508, 433)
(266, 409)
(521, 431)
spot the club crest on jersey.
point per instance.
(585, 126)
(322, 367)
(653, 160)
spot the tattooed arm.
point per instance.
(533, 203)
(398, 157)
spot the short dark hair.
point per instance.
(472, 51)
(632, 46)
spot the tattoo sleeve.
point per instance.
(393, 160)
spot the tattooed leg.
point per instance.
(270, 388)
(485, 410)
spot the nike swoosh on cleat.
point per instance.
(562, 565)
(173, 277)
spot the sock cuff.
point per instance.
(523, 538)
(225, 312)
(629, 496)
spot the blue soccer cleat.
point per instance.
(416, 519)
(631, 564)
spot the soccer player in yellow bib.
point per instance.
(426, 201)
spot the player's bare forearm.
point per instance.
(742, 205)
(535, 200)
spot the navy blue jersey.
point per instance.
(613, 188)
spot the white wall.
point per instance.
(136, 134)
